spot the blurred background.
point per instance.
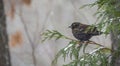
(26, 20)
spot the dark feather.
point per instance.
(84, 32)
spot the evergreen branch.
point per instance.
(49, 34)
(72, 49)
(109, 17)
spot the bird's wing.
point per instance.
(84, 28)
(88, 29)
(92, 30)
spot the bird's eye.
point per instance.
(75, 24)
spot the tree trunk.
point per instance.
(115, 35)
(115, 50)
(4, 49)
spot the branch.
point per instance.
(88, 42)
(57, 35)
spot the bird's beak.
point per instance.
(70, 27)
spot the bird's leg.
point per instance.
(87, 42)
(80, 43)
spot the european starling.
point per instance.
(84, 32)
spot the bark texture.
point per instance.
(4, 49)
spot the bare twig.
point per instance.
(28, 36)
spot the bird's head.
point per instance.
(75, 25)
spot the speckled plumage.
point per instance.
(84, 32)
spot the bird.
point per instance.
(84, 32)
